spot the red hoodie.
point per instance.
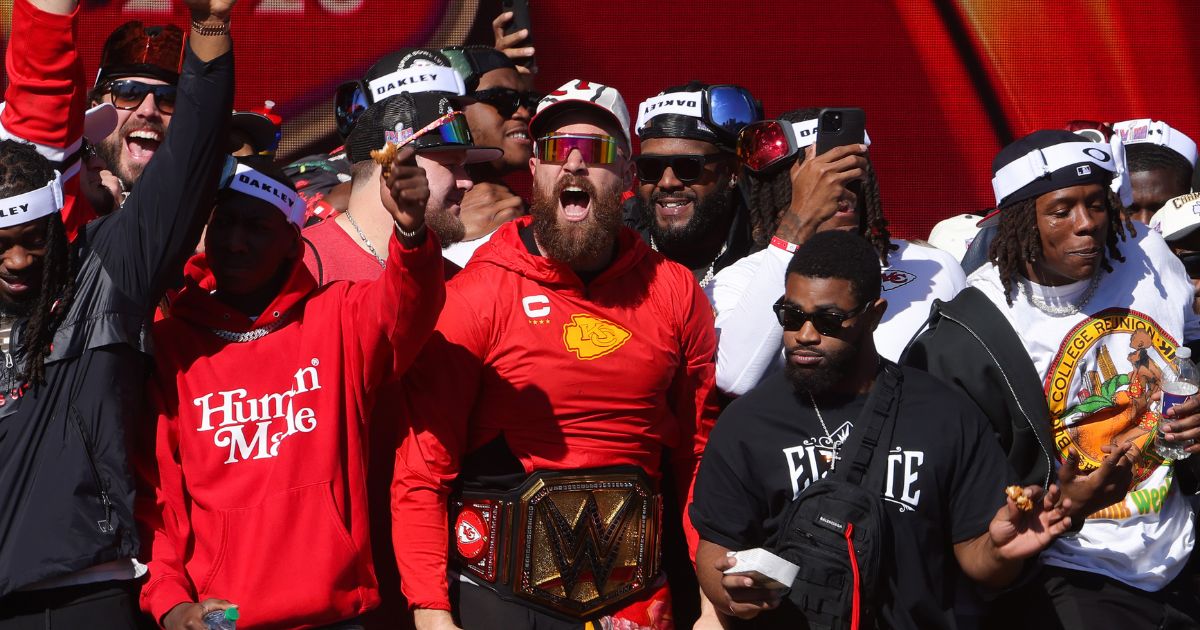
(256, 490)
(572, 375)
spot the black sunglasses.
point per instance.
(507, 100)
(687, 168)
(828, 323)
(129, 94)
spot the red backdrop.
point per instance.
(945, 83)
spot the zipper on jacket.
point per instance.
(1011, 390)
(105, 525)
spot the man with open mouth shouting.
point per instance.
(568, 358)
(76, 316)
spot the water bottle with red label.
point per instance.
(1177, 387)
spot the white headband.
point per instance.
(682, 103)
(417, 79)
(31, 205)
(1156, 132)
(248, 181)
(1040, 163)
(806, 133)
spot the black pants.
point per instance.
(1061, 599)
(481, 609)
(99, 606)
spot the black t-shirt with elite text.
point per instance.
(945, 480)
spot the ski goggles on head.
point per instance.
(769, 143)
(128, 94)
(687, 168)
(349, 102)
(828, 323)
(507, 100)
(593, 148)
(724, 107)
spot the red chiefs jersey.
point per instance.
(571, 375)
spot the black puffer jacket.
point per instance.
(66, 492)
(968, 343)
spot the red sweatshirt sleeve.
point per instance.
(693, 398)
(161, 513)
(440, 391)
(45, 98)
(391, 317)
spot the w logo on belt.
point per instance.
(589, 542)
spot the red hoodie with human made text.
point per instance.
(572, 375)
(255, 489)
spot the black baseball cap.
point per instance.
(398, 118)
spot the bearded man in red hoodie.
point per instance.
(568, 358)
(254, 491)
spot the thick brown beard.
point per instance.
(579, 242)
(448, 227)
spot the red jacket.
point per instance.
(572, 376)
(44, 100)
(256, 489)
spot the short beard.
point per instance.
(448, 227)
(820, 381)
(709, 213)
(574, 244)
(110, 150)
(24, 308)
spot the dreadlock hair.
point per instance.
(770, 193)
(23, 169)
(1018, 240)
(1144, 156)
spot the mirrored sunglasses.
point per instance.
(593, 148)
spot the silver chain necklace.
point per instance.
(709, 273)
(836, 444)
(250, 335)
(1064, 310)
(371, 248)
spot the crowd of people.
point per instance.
(378, 388)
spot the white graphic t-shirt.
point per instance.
(750, 340)
(1100, 369)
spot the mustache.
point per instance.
(683, 194)
(135, 125)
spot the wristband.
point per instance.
(784, 245)
(209, 29)
(412, 236)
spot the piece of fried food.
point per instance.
(384, 156)
(1017, 494)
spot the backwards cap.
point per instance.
(680, 112)
(1144, 130)
(134, 50)
(1052, 159)
(578, 94)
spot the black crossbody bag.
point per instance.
(836, 530)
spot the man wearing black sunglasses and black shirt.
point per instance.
(139, 72)
(688, 205)
(943, 494)
(498, 112)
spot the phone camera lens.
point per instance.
(832, 121)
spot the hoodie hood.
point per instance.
(508, 251)
(197, 305)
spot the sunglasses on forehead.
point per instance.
(507, 100)
(828, 323)
(128, 94)
(687, 168)
(593, 148)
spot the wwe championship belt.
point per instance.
(570, 543)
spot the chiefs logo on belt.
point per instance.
(471, 535)
(591, 337)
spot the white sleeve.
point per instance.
(749, 337)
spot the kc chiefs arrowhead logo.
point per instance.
(591, 337)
